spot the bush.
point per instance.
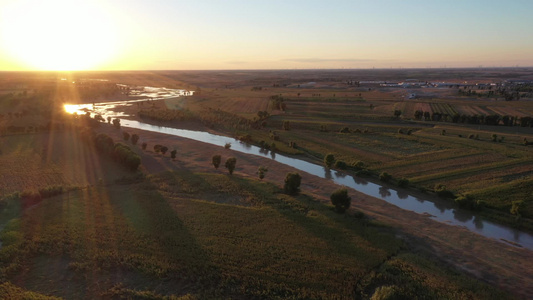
(358, 165)
(51, 191)
(329, 159)
(441, 191)
(157, 148)
(517, 207)
(173, 154)
(144, 145)
(216, 160)
(385, 177)
(116, 123)
(339, 164)
(261, 172)
(126, 136)
(126, 157)
(164, 150)
(230, 164)
(227, 145)
(286, 125)
(134, 139)
(292, 183)
(467, 201)
(341, 200)
(404, 182)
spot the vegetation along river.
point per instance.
(440, 211)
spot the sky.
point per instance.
(274, 34)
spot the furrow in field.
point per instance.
(460, 174)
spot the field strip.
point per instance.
(468, 171)
(429, 157)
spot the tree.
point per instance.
(329, 160)
(397, 113)
(216, 160)
(173, 154)
(144, 145)
(116, 123)
(126, 136)
(286, 125)
(164, 149)
(230, 164)
(261, 172)
(292, 183)
(341, 200)
(134, 139)
(385, 177)
(157, 148)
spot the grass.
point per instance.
(169, 235)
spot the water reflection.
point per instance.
(402, 194)
(440, 210)
(384, 192)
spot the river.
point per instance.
(441, 211)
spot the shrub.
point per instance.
(467, 201)
(173, 154)
(216, 160)
(340, 164)
(517, 207)
(286, 125)
(329, 159)
(144, 145)
(441, 191)
(164, 150)
(261, 172)
(126, 157)
(126, 136)
(292, 183)
(157, 148)
(230, 164)
(385, 177)
(134, 139)
(341, 200)
(358, 165)
(345, 130)
(227, 145)
(50, 191)
(116, 123)
(404, 182)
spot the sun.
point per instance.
(58, 34)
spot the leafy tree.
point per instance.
(157, 148)
(230, 164)
(216, 160)
(517, 207)
(292, 183)
(385, 177)
(329, 159)
(134, 139)
(340, 164)
(173, 154)
(126, 136)
(144, 144)
(341, 200)
(404, 182)
(164, 150)
(227, 145)
(116, 123)
(261, 172)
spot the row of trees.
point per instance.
(117, 151)
(474, 119)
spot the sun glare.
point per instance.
(58, 34)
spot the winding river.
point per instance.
(441, 211)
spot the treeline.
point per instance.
(165, 114)
(117, 151)
(211, 117)
(475, 119)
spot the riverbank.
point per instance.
(492, 261)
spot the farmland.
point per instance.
(178, 228)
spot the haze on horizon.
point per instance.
(236, 34)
